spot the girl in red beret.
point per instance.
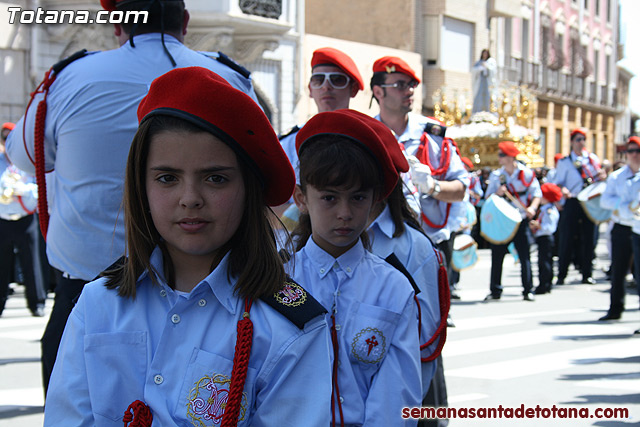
(543, 227)
(199, 324)
(344, 170)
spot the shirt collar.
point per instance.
(152, 38)
(323, 262)
(384, 222)
(217, 281)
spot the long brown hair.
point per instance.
(253, 256)
(330, 160)
(401, 212)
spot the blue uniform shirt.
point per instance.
(174, 351)
(432, 208)
(567, 174)
(522, 183)
(379, 352)
(91, 121)
(548, 219)
(622, 189)
(415, 252)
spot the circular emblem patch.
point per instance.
(369, 345)
(291, 295)
(208, 399)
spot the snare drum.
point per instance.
(464, 252)
(499, 220)
(589, 199)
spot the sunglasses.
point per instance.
(402, 85)
(633, 151)
(501, 154)
(336, 80)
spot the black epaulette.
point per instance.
(229, 62)
(61, 65)
(295, 303)
(289, 132)
(395, 262)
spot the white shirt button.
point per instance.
(202, 302)
(348, 269)
(341, 399)
(322, 271)
(338, 327)
(175, 318)
(163, 293)
(158, 379)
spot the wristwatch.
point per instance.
(436, 188)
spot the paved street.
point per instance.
(508, 352)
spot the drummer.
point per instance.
(575, 172)
(519, 185)
(621, 195)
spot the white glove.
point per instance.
(421, 176)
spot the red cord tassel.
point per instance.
(43, 208)
(445, 303)
(137, 415)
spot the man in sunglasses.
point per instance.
(441, 179)
(575, 172)
(335, 79)
(621, 196)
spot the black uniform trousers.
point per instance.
(635, 242)
(620, 258)
(575, 223)
(522, 243)
(67, 290)
(22, 235)
(545, 262)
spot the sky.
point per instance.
(630, 34)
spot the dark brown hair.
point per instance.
(253, 256)
(164, 16)
(401, 212)
(331, 160)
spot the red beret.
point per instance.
(392, 64)
(508, 148)
(205, 99)
(580, 131)
(632, 140)
(467, 162)
(386, 136)
(551, 192)
(331, 56)
(353, 126)
(8, 125)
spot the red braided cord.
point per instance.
(445, 304)
(521, 176)
(335, 390)
(423, 154)
(22, 205)
(43, 209)
(137, 415)
(432, 225)
(240, 366)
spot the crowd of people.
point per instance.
(164, 214)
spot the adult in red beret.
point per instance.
(622, 196)
(574, 173)
(436, 169)
(90, 120)
(519, 185)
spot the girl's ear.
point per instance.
(300, 199)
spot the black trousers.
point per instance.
(67, 290)
(575, 223)
(621, 248)
(436, 396)
(21, 235)
(635, 242)
(545, 261)
(521, 242)
(446, 247)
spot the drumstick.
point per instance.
(516, 201)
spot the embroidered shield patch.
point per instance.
(291, 295)
(208, 399)
(368, 346)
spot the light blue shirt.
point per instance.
(91, 121)
(548, 219)
(622, 189)
(432, 208)
(175, 353)
(23, 187)
(378, 347)
(567, 175)
(416, 253)
(522, 181)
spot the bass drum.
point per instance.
(465, 253)
(589, 199)
(499, 221)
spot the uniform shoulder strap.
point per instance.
(294, 303)
(289, 132)
(395, 262)
(62, 64)
(229, 62)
